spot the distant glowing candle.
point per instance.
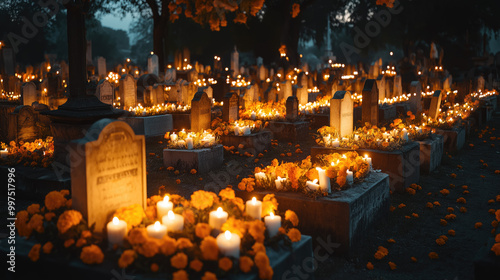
(229, 244)
(117, 230)
(273, 224)
(156, 230)
(4, 153)
(253, 116)
(254, 208)
(163, 206)
(217, 218)
(174, 222)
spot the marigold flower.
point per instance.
(178, 181)
(256, 229)
(453, 175)
(54, 200)
(292, 217)
(494, 224)
(196, 265)
(180, 275)
(47, 247)
(450, 217)
(209, 248)
(463, 209)
(132, 214)
(497, 238)
(227, 194)
(68, 219)
(127, 258)
(415, 215)
(202, 230)
(444, 192)
(209, 276)
(461, 200)
(34, 253)
(179, 261)
(491, 201)
(436, 203)
(183, 243)
(401, 205)
(176, 172)
(451, 232)
(69, 242)
(33, 208)
(450, 209)
(80, 242)
(433, 255)
(36, 223)
(392, 208)
(392, 265)
(225, 263)
(391, 240)
(193, 171)
(246, 264)
(294, 235)
(154, 267)
(168, 246)
(413, 259)
(429, 205)
(170, 168)
(440, 241)
(202, 200)
(49, 215)
(411, 191)
(443, 222)
(496, 249)
(91, 255)
(149, 248)
(478, 225)
(369, 266)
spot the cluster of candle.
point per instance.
(243, 127)
(264, 111)
(205, 82)
(185, 68)
(313, 90)
(159, 109)
(395, 99)
(9, 96)
(481, 94)
(191, 140)
(316, 106)
(347, 77)
(113, 77)
(240, 82)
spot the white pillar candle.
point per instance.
(335, 143)
(260, 176)
(229, 244)
(236, 130)
(369, 161)
(117, 230)
(273, 224)
(279, 182)
(405, 134)
(217, 218)
(174, 222)
(324, 181)
(326, 139)
(350, 177)
(246, 130)
(253, 116)
(312, 185)
(189, 143)
(156, 230)
(173, 137)
(163, 206)
(385, 135)
(356, 137)
(181, 144)
(254, 208)
(4, 153)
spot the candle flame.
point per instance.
(315, 181)
(254, 200)
(271, 215)
(319, 169)
(157, 225)
(171, 215)
(366, 156)
(115, 220)
(228, 235)
(166, 198)
(219, 212)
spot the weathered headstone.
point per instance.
(480, 83)
(341, 112)
(415, 98)
(230, 109)
(398, 86)
(262, 73)
(435, 104)
(8, 61)
(447, 82)
(108, 171)
(201, 115)
(292, 108)
(287, 89)
(101, 67)
(28, 92)
(153, 64)
(128, 91)
(270, 94)
(235, 64)
(26, 128)
(104, 92)
(369, 110)
(170, 75)
(381, 87)
(302, 95)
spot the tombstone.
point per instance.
(156, 94)
(305, 67)
(209, 91)
(287, 89)
(398, 86)
(260, 61)
(201, 112)
(302, 80)
(101, 67)
(341, 113)
(369, 108)
(480, 83)
(415, 98)
(389, 87)
(104, 92)
(262, 73)
(192, 75)
(108, 171)
(270, 94)
(28, 93)
(143, 84)
(128, 91)
(170, 75)
(230, 108)
(381, 87)
(88, 53)
(292, 108)
(235, 64)
(26, 124)
(153, 64)
(302, 95)
(8, 61)
(447, 82)
(249, 95)
(435, 104)
(188, 92)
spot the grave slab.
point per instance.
(151, 125)
(402, 166)
(453, 139)
(203, 160)
(254, 143)
(289, 131)
(431, 153)
(343, 215)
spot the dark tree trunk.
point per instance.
(158, 41)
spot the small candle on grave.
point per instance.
(253, 116)
(236, 130)
(324, 181)
(335, 143)
(246, 130)
(173, 137)
(189, 143)
(174, 222)
(326, 139)
(273, 223)
(356, 137)
(260, 176)
(163, 206)
(156, 230)
(117, 230)
(217, 218)
(181, 144)
(4, 153)
(385, 135)
(369, 161)
(229, 244)
(312, 185)
(350, 177)
(405, 134)
(279, 182)
(254, 208)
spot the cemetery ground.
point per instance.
(409, 230)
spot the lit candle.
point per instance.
(181, 144)
(350, 177)
(254, 208)
(279, 182)
(156, 230)
(356, 137)
(405, 134)
(173, 137)
(312, 185)
(4, 153)
(260, 176)
(369, 161)
(236, 130)
(217, 218)
(335, 143)
(117, 230)
(163, 206)
(174, 222)
(273, 223)
(385, 135)
(229, 244)
(246, 130)
(326, 139)
(253, 116)
(189, 143)
(324, 181)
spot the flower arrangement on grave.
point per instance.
(187, 244)
(159, 109)
(239, 127)
(333, 171)
(37, 153)
(266, 111)
(191, 140)
(366, 137)
(321, 105)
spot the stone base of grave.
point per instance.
(453, 140)
(386, 113)
(36, 182)
(289, 131)
(254, 143)
(319, 120)
(181, 121)
(431, 153)
(150, 125)
(203, 160)
(55, 266)
(402, 108)
(486, 264)
(342, 216)
(402, 166)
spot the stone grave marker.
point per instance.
(262, 73)
(341, 113)
(389, 87)
(230, 108)
(235, 64)
(398, 86)
(270, 94)
(302, 95)
(128, 91)
(26, 128)
(369, 108)
(108, 171)
(381, 87)
(201, 112)
(104, 91)
(287, 89)
(101, 67)
(435, 104)
(447, 82)
(292, 108)
(480, 83)
(170, 75)
(153, 64)
(143, 84)
(28, 92)
(415, 97)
